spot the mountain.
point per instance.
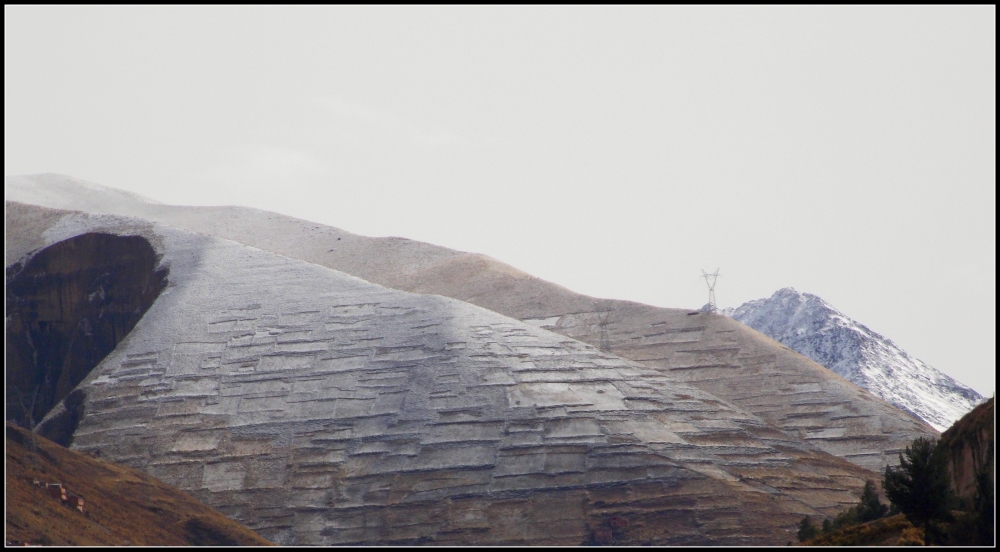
(122, 506)
(812, 327)
(328, 388)
(726, 359)
(318, 408)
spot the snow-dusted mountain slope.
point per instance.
(731, 361)
(321, 409)
(812, 327)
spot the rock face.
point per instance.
(970, 446)
(734, 363)
(810, 326)
(711, 352)
(318, 408)
(66, 310)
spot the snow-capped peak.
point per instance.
(811, 326)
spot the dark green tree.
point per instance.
(870, 508)
(807, 530)
(847, 518)
(919, 486)
(827, 526)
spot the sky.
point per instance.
(847, 152)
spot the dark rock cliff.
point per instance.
(69, 306)
(969, 445)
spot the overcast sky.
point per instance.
(847, 152)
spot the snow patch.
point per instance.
(812, 327)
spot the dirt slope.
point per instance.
(890, 531)
(122, 506)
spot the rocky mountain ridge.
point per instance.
(321, 408)
(318, 408)
(709, 351)
(809, 325)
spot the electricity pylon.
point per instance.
(603, 317)
(710, 281)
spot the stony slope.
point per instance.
(811, 326)
(122, 506)
(712, 352)
(318, 408)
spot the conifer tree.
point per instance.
(807, 530)
(919, 486)
(870, 508)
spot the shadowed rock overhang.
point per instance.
(69, 306)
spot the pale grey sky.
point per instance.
(847, 152)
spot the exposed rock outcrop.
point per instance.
(318, 408)
(718, 355)
(970, 446)
(67, 308)
(811, 326)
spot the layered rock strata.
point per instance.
(719, 355)
(736, 363)
(318, 408)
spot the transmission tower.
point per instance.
(603, 317)
(710, 281)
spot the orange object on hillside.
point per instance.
(57, 491)
(76, 501)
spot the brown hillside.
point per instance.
(890, 531)
(122, 505)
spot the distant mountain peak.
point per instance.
(811, 326)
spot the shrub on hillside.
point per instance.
(890, 531)
(807, 530)
(869, 508)
(919, 487)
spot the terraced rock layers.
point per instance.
(721, 356)
(318, 408)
